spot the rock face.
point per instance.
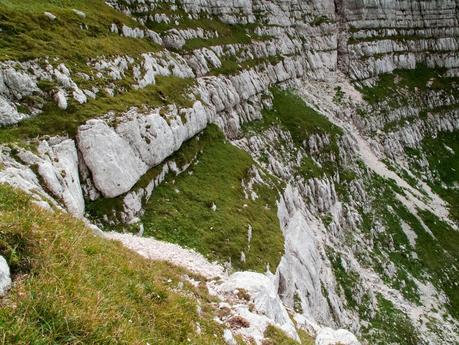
(389, 35)
(5, 279)
(333, 260)
(118, 157)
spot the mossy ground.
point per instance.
(72, 287)
(180, 209)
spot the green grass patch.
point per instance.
(179, 210)
(390, 326)
(275, 336)
(440, 257)
(227, 34)
(395, 84)
(437, 256)
(442, 153)
(291, 112)
(347, 280)
(232, 66)
(81, 289)
(110, 208)
(309, 169)
(26, 33)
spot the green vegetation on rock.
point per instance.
(442, 154)
(390, 326)
(55, 121)
(180, 209)
(275, 336)
(400, 82)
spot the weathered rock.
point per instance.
(61, 99)
(173, 40)
(264, 294)
(59, 171)
(114, 165)
(5, 279)
(328, 336)
(8, 113)
(50, 15)
(79, 13)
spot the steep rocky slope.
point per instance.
(313, 142)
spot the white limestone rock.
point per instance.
(114, 166)
(60, 97)
(262, 290)
(328, 336)
(173, 40)
(5, 278)
(79, 13)
(16, 84)
(229, 338)
(59, 171)
(118, 157)
(50, 15)
(9, 114)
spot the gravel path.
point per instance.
(162, 251)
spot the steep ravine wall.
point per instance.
(312, 47)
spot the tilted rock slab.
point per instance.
(118, 156)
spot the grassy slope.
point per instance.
(397, 84)
(436, 260)
(405, 87)
(444, 164)
(274, 336)
(27, 33)
(75, 288)
(180, 209)
(290, 111)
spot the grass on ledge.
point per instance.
(275, 336)
(54, 121)
(180, 211)
(72, 287)
(391, 85)
(292, 113)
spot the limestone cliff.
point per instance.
(340, 124)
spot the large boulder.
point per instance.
(114, 165)
(173, 40)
